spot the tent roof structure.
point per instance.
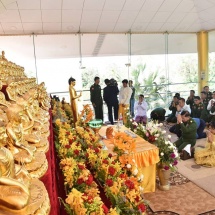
(104, 26)
(105, 16)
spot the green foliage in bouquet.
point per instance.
(153, 133)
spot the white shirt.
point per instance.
(210, 106)
(140, 109)
(185, 107)
(125, 95)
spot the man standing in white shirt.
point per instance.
(211, 108)
(124, 99)
(140, 107)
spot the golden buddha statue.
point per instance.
(20, 195)
(3, 118)
(22, 150)
(3, 103)
(33, 133)
(33, 117)
(73, 99)
(15, 134)
(12, 92)
(43, 97)
(37, 114)
(7, 166)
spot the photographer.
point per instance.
(211, 108)
(190, 99)
(172, 107)
(110, 93)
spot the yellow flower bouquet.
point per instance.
(83, 159)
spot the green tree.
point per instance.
(88, 77)
(188, 68)
(152, 85)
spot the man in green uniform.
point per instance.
(199, 110)
(204, 98)
(96, 98)
(208, 94)
(189, 128)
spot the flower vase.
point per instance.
(164, 176)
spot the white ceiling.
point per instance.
(103, 24)
(68, 16)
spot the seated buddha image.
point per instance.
(23, 151)
(12, 92)
(19, 193)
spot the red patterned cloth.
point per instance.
(50, 179)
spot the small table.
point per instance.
(146, 157)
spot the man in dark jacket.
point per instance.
(110, 93)
(173, 108)
(96, 98)
(190, 99)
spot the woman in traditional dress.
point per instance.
(206, 156)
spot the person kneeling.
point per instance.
(206, 156)
(188, 138)
(140, 107)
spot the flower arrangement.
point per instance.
(83, 194)
(83, 161)
(85, 116)
(130, 123)
(67, 109)
(153, 133)
(119, 175)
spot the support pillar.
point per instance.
(202, 44)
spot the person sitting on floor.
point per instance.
(140, 107)
(200, 128)
(203, 97)
(206, 156)
(199, 110)
(190, 99)
(172, 107)
(158, 114)
(180, 108)
(189, 128)
(211, 108)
